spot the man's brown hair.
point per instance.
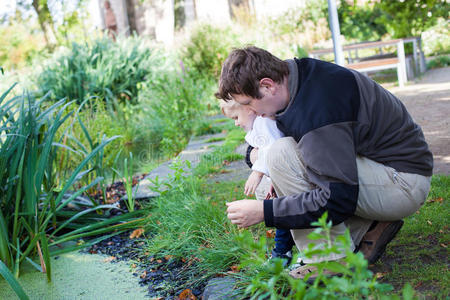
(244, 68)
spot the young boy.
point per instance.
(261, 133)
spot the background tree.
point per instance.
(406, 18)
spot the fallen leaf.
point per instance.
(440, 200)
(418, 284)
(270, 233)
(234, 269)
(109, 259)
(186, 294)
(133, 266)
(444, 245)
(429, 222)
(379, 275)
(167, 257)
(143, 275)
(136, 233)
(441, 231)
(159, 261)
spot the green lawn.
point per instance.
(419, 253)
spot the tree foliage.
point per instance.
(404, 18)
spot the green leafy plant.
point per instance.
(410, 17)
(206, 50)
(110, 71)
(273, 281)
(37, 209)
(127, 177)
(175, 106)
(359, 22)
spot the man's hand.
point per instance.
(245, 213)
(252, 183)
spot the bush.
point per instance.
(19, 46)
(110, 71)
(436, 39)
(206, 50)
(174, 104)
(439, 62)
(360, 22)
(411, 17)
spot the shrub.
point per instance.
(439, 62)
(411, 17)
(19, 46)
(359, 22)
(105, 69)
(206, 50)
(174, 104)
(436, 39)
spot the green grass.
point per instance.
(190, 223)
(419, 253)
(215, 139)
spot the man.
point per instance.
(351, 149)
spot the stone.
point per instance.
(220, 288)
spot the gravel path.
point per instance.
(428, 101)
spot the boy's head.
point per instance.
(243, 116)
(253, 76)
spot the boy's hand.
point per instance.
(245, 213)
(252, 182)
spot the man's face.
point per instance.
(269, 104)
(263, 107)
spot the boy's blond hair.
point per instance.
(227, 106)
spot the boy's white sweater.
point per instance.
(262, 136)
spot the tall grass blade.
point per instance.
(13, 283)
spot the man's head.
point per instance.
(243, 116)
(253, 76)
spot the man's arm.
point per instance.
(330, 160)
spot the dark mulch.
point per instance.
(163, 276)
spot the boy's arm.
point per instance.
(252, 183)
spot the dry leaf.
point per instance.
(270, 233)
(143, 275)
(429, 222)
(186, 294)
(444, 245)
(109, 259)
(167, 257)
(159, 261)
(133, 266)
(136, 233)
(234, 269)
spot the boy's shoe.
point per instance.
(374, 241)
(286, 257)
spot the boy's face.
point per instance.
(243, 117)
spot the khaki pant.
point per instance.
(384, 193)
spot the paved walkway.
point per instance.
(428, 101)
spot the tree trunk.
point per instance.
(45, 22)
(131, 16)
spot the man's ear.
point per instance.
(267, 83)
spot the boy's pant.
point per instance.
(384, 193)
